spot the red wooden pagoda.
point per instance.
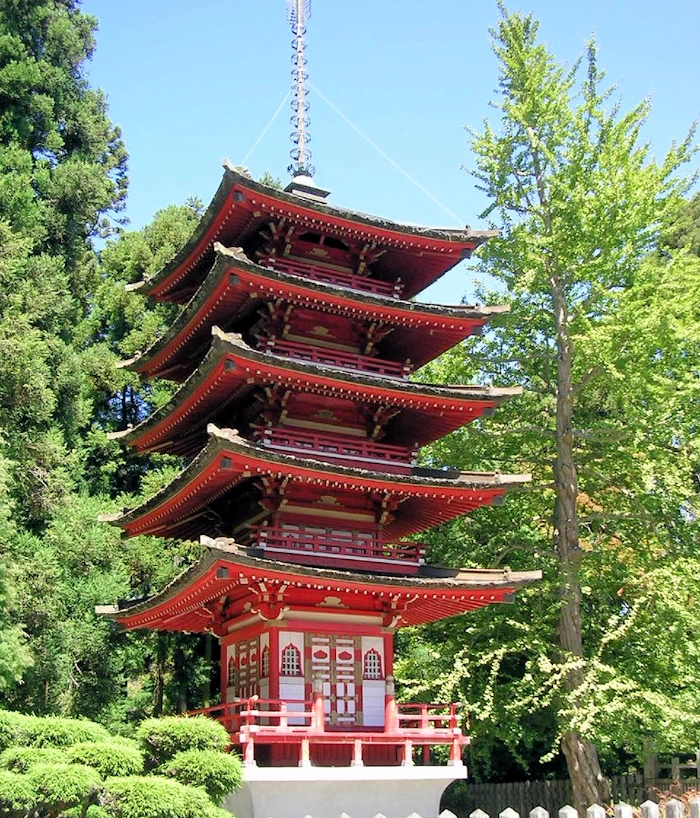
(300, 426)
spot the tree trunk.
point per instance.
(588, 784)
(159, 686)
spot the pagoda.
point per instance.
(300, 424)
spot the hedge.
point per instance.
(16, 793)
(218, 773)
(21, 759)
(151, 796)
(161, 739)
(47, 731)
(62, 786)
(107, 757)
(7, 729)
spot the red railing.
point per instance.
(337, 357)
(273, 721)
(270, 715)
(346, 448)
(418, 716)
(337, 277)
(348, 545)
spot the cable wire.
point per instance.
(387, 157)
(265, 129)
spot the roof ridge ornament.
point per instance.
(301, 169)
(298, 12)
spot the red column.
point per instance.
(388, 654)
(318, 718)
(274, 663)
(223, 670)
(391, 715)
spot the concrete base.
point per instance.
(328, 792)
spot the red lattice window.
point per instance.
(291, 661)
(372, 665)
(265, 663)
(231, 672)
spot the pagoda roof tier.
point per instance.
(208, 494)
(242, 206)
(229, 583)
(236, 288)
(231, 370)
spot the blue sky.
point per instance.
(192, 83)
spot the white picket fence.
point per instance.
(672, 809)
(649, 809)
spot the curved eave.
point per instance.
(230, 363)
(237, 190)
(234, 282)
(197, 598)
(228, 460)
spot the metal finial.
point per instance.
(298, 12)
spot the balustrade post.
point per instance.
(453, 716)
(407, 760)
(357, 754)
(318, 715)
(283, 716)
(424, 722)
(455, 753)
(249, 751)
(304, 754)
(456, 748)
(391, 714)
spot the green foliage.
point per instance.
(154, 797)
(58, 787)
(582, 206)
(68, 781)
(218, 773)
(109, 758)
(35, 731)
(14, 653)
(22, 759)
(65, 318)
(270, 180)
(162, 739)
(16, 794)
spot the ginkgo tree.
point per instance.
(601, 334)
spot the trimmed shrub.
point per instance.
(93, 811)
(108, 758)
(161, 739)
(16, 793)
(123, 741)
(8, 727)
(51, 731)
(62, 786)
(154, 797)
(22, 759)
(218, 773)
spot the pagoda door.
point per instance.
(336, 661)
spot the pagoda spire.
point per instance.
(298, 12)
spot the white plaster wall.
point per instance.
(373, 690)
(327, 792)
(292, 687)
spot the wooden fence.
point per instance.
(649, 809)
(463, 799)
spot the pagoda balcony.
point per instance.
(339, 278)
(356, 550)
(337, 358)
(301, 732)
(356, 452)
